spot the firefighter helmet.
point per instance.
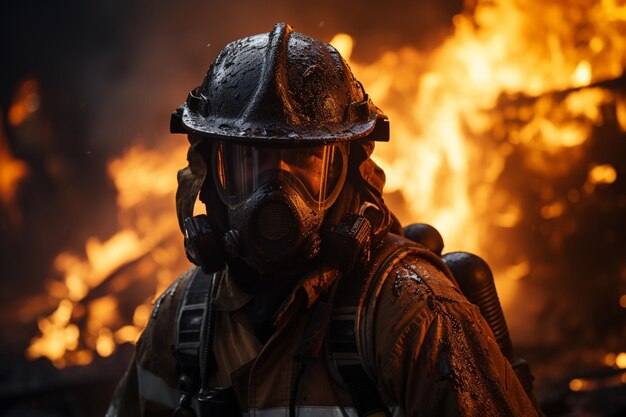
(281, 86)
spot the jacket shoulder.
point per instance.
(405, 282)
(176, 287)
(401, 257)
(428, 346)
(403, 273)
(432, 350)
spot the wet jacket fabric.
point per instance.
(428, 349)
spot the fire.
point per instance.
(514, 78)
(577, 384)
(602, 174)
(12, 172)
(146, 243)
(26, 102)
(511, 77)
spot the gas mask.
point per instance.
(276, 199)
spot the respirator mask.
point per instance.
(276, 198)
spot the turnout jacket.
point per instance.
(427, 348)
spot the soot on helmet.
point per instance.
(276, 199)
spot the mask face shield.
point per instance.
(317, 173)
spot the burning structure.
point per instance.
(508, 136)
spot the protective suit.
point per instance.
(308, 303)
(432, 352)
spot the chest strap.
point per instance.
(344, 357)
(191, 350)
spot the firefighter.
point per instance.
(305, 301)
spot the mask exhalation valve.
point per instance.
(275, 221)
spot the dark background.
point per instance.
(109, 73)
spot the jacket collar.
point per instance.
(313, 284)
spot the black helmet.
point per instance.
(271, 120)
(281, 86)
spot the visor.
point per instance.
(318, 172)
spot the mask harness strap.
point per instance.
(203, 243)
(190, 180)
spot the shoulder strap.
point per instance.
(348, 361)
(190, 344)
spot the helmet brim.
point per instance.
(186, 120)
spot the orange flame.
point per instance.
(12, 172)
(26, 102)
(146, 182)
